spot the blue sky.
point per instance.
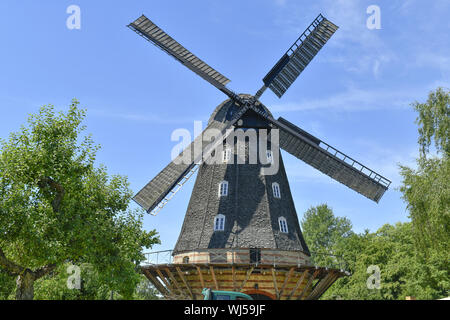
(355, 95)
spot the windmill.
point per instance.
(241, 230)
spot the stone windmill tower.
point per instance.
(241, 230)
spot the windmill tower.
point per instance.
(241, 230)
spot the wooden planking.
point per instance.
(286, 280)
(211, 268)
(171, 276)
(157, 284)
(324, 284)
(180, 273)
(308, 285)
(243, 279)
(249, 272)
(299, 282)
(200, 276)
(275, 285)
(233, 271)
(166, 282)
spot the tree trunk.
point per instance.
(25, 285)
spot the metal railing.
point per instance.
(158, 257)
(232, 256)
(355, 164)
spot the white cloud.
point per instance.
(353, 99)
(386, 160)
(376, 68)
(281, 3)
(356, 100)
(436, 60)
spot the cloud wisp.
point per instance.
(358, 100)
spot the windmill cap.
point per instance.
(224, 111)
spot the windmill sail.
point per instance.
(166, 183)
(329, 160)
(292, 139)
(151, 32)
(299, 55)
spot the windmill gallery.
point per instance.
(241, 232)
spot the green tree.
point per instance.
(7, 284)
(93, 286)
(55, 285)
(323, 232)
(403, 273)
(392, 249)
(426, 191)
(434, 122)
(57, 207)
(427, 194)
(145, 290)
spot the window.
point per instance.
(255, 255)
(276, 190)
(226, 155)
(269, 156)
(223, 189)
(283, 224)
(186, 259)
(219, 223)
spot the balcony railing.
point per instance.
(228, 257)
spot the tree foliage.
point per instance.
(426, 190)
(434, 122)
(391, 248)
(56, 206)
(93, 286)
(323, 232)
(413, 257)
(427, 194)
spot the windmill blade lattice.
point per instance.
(155, 195)
(329, 160)
(299, 55)
(151, 32)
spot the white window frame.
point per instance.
(226, 155)
(269, 155)
(276, 190)
(219, 222)
(223, 189)
(282, 222)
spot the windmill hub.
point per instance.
(250, 114)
